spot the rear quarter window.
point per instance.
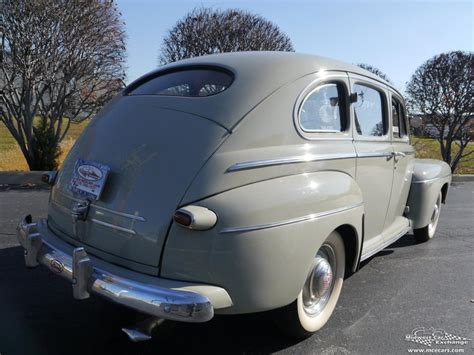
(193, 82)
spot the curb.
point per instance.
(22, 179)
(463, 178)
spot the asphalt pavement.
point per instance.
(404, 287)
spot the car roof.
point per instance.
(257, 75)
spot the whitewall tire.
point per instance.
(426, 233)
(318, 297)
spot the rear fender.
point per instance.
(429, 178)
(265, 238)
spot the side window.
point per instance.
(399, 127)
(368, 111)
(395, 118)
(403, 122)
(324, 109)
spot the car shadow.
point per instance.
(39, 316)
(407, 240)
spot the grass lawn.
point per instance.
(429, 148)
(12, 159)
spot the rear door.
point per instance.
(374, 171)
(403, 167)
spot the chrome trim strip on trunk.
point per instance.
(307, 158)
(113, 226)
(94, 220)
(123, 214)
(162, 302)
(93, 205)
(289, 221)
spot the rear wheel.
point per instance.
(318, 297)
(426, 233)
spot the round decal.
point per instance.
(90, 172)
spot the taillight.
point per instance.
(195, 217)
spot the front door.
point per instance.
(374, 171)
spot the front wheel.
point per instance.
(318, 297)
(426, 233)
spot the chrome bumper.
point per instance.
(78, 268)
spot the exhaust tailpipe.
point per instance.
(143, 330)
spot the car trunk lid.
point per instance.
(153, 154)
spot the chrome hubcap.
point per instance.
(434, 216)
(320, 282)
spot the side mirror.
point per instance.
(416, 122)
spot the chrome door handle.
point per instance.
(398, 155)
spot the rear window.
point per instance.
(188, 82)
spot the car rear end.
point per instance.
(113, 201)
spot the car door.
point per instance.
(374, 170)
(403, 161)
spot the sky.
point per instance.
(396, 36)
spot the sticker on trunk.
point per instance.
(89, 178)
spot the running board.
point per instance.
(386, 244)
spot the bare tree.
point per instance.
(375, 71)
(442, 92)
(208, 31)
(60, 60)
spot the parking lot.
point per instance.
(405, 286)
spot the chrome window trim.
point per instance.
(399, 98)
(323, 78)
(306, 218)
(381, 89)
(306, 97)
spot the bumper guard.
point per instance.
(166, 303)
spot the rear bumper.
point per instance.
(90, 275)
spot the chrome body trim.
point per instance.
(385, 244)
(431, 180)
(309, 217)
(87, 278)
(375, 155)
(307, 158)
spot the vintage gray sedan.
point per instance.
(236, 183)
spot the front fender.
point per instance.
(265, 238)
(429, 177)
